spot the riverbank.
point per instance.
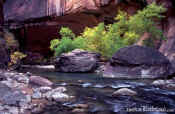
(24, 93)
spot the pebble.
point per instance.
(37, 95)
(124, 91)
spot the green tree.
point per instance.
(66, 43)
(107, 39)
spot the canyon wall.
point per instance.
(1, 14)
(36, 22)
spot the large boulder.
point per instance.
(77, 61)
(138, 62)
(4, 55)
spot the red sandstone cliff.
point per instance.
(36, 22)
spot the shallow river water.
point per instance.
(96, 91)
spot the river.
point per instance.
(96, 91)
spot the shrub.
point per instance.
(54, 43)
(107, 39)
(66, 32)
(94, 39)
(64, 46)
(79, 43)
(66, 43)
(127, 30)
(16, 57)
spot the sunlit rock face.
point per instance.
(56, 7)
(19, 10)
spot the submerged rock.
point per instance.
(138, 62)
(169, 84)
(57, 94)
(77, 110)
(77, 61)
(159, 82)
(124, 91)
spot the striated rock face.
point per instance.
(138, 62)
(36, 26)
(20, 10)
(77, 61)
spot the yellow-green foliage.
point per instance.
(133, 27)
(107, 39)
(94, 38)
(66, 32)
(54, 43)
(15, 57)
(127, 30)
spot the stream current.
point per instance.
(96, 91)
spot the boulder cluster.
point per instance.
(25, 94)
(129, 62)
